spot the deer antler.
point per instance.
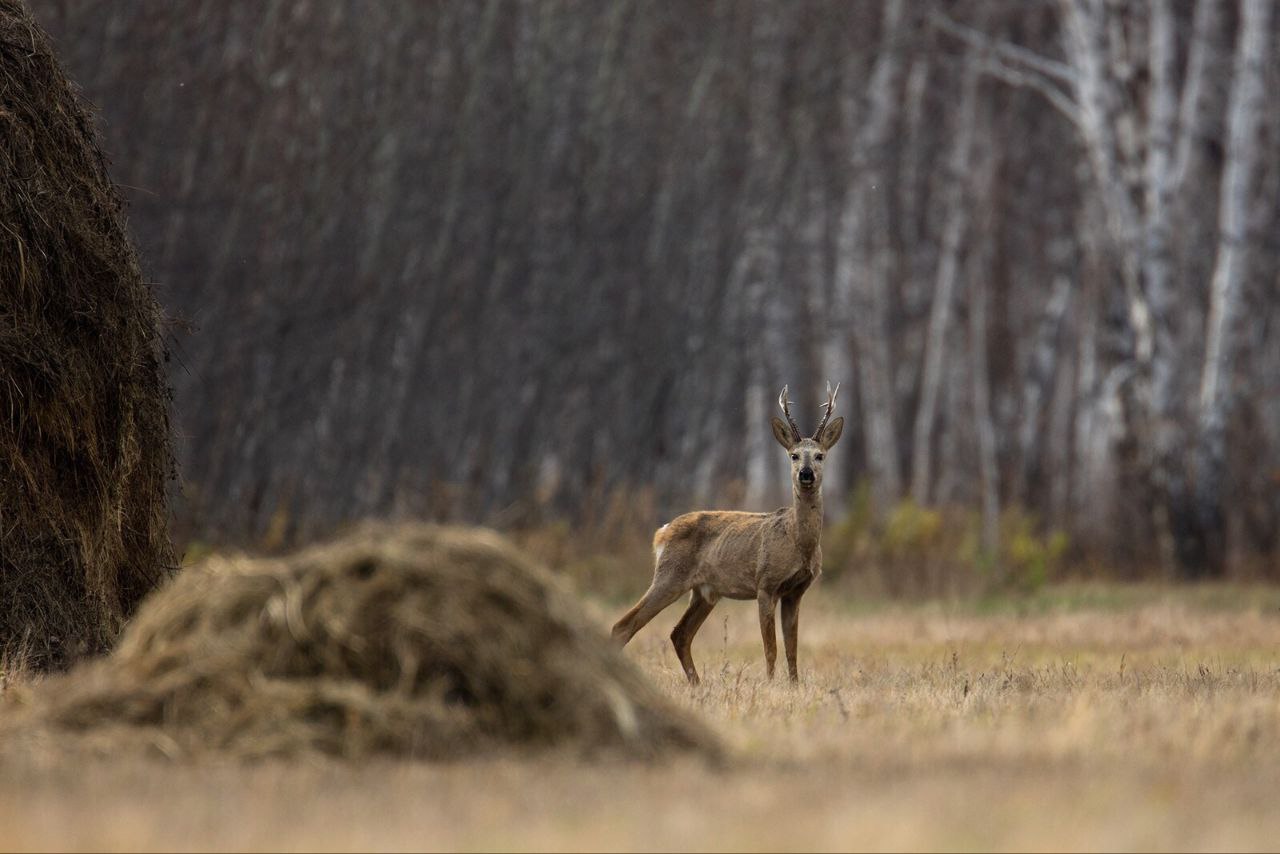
(786, 410)
(830, 404)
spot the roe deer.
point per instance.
(763, 556)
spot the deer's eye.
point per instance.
(818, 457)
(795, 456)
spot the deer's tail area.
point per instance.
(660, 539)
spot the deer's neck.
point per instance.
(807, 510)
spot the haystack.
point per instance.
(424, 642)
(84, 432)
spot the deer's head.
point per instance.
(807, 455)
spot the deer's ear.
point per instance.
(782, 433)
(830, 433)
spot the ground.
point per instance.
(1081, 718)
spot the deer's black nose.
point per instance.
(806, 475)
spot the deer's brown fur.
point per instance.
(769, 557)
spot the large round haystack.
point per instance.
(423, 642)
(84, 433)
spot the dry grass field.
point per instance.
(1130, 718)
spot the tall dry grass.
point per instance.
(1090, 717)
(1168, 681)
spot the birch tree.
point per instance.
(864, 263)
(954, 232)
(1230, 274)
(528, 263)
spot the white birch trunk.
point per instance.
(953, 234)
(1083, 26)
(759, 263)
(1100, 55)
(983, 426)
(1244, 117)
(1197, 109)
(1248, 99)
(864, 262)
(1038, 382)
(1157, 261)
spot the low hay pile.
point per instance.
(423, 642)
(84, 427)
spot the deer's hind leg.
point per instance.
(660, 594)
(682, 635)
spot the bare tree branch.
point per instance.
(1060, 101)
(1005, 50)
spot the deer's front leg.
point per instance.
(767, 600)
(790, 632)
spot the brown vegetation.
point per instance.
(912, 552)
(1136, 718)
(416, 642)
(84, 425)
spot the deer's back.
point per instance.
(717, 548)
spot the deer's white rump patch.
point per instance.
(658, 547)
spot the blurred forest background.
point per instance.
(549, 263)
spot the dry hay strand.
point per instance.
(85, 454)
(426, 642)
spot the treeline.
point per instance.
(495, 260)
